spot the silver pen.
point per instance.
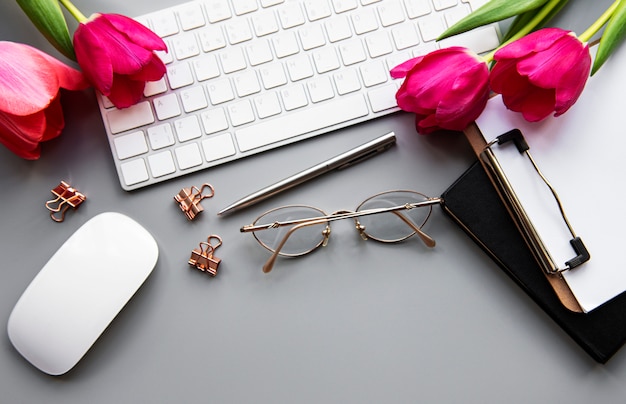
(343, 160)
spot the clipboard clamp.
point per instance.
(582, 254)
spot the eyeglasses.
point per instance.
(388, 217)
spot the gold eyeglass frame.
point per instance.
(339, 215)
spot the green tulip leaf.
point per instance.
(495, 10)
(47, 16)
(613, 35)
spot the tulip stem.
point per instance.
(80, 17)
(595, 27)
(547, 8)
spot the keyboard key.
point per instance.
(342, 6)
(218, 147)
(320, 89)
(217, 10)
(293, 97)
(240, 113)
(164, 23)
(246, 83)
(264, 23)
(269, 3)
(193, 99)
(166, 106)
(160, 136)
(338, 29)
(311, 36)
(417, 8)
(431, 26)
(374, 73)
(185, 46)
(238, 31)
(179, 75)
(383, 98)
(206, 67)
(291, 15)
(304, 121)
(161, 164)
(191, 16)
(245, 6)
(326, 60)
(214, 120)
(405, 36)
(390, 13)
(347, 81)
(444, 4)
(220, 91)
(188, 156)
(299, 68)
(134, 172)
(352, 52)
(211, 38)
(232, 60)
(378, 44)
(273, 75)
(364, 21)
(187, 128)
(130, 145)
(259, 52)
(285, 44)
(155, 87)
(121, 120)
(317, 9)
(267, 105)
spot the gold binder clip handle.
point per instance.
(203, 259)
(188, 199)
(66, 197)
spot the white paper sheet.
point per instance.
(583, 154)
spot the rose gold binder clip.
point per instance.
(66, 197)
(202, 258)
(189, 200)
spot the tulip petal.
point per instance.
(466, 99)
(55, 122)
(22, 134)
(135, 32)
(402, 69)
(534, 42)
(153, 71)
(93, 58)
(28, 82)
(125, 91)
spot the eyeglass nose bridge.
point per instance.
(357, 224)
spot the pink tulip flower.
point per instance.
(116, 54)
(30, 107)
(446, 89)
(541, 73)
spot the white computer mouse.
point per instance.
(80, 290)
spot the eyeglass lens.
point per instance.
(390, 227)
(303, 241)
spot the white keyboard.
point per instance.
(245, 76)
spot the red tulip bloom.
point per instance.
(116, 54)
(30, 107)
(446, 89)
(541, 73)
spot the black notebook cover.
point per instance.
(474, 204)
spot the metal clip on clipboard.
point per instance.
(548, 264)
(552, 271)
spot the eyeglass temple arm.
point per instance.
(269, 264)
(428, 241)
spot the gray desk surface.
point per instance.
(356, 322)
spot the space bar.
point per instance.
(301, 122)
